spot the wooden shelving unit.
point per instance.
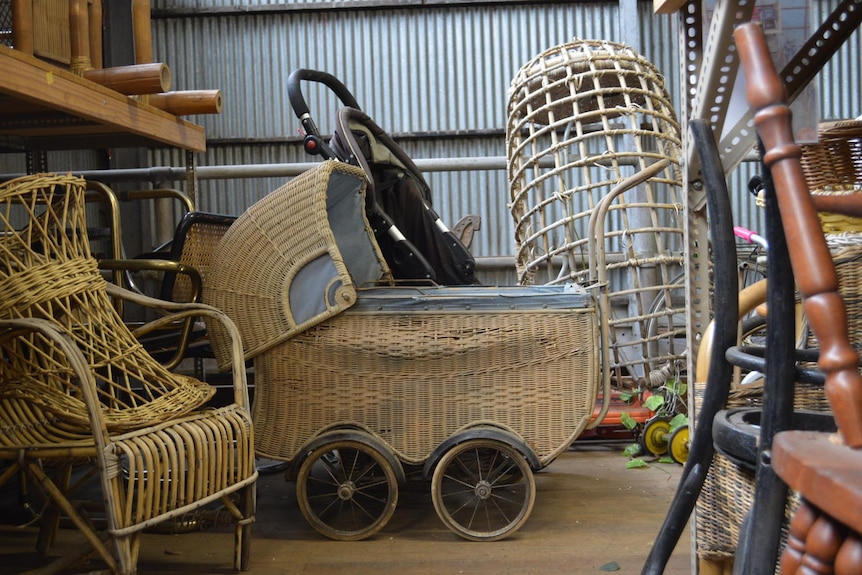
(43, 107)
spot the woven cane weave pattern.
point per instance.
(414, 379)
(726, 498)
(835, 161)
(728, 490)
(77, 389)
(48, 273)
(200, 242)
(265, 247)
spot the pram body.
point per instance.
(472, 387)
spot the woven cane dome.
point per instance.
(583, 118)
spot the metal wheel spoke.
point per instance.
(504, 469)
(497, 496)
(460, 481)
(483, 489)
(467, 471)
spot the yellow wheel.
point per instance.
(678, 449)
(654, 438)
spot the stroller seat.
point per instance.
(398, 196)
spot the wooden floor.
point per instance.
(592, 515)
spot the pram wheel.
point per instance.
(483, 489)
(346, 490)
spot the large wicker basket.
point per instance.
(413, 366)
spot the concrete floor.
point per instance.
(591, 515)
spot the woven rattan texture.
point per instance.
(833, 166)
(726, 497)
(583, 117)
(836, 159)
(728, 490)
(846, 251)
(200, 243)
(48, 273)
(414, 379)
(256, 261)
(77, 390)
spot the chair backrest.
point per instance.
(824, 469)
(195, 240)
(47, 272)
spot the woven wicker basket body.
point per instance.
(414, 366)
(728, 491)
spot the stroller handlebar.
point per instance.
(297, 100)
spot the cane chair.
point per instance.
(78, 390)
(181, 266)
(825, 469)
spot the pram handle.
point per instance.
(297, 100)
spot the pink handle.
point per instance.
(749, 236)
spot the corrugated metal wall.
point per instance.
(434, 72)
(437, 75)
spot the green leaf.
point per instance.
(626, 396)
(654, 402)
(627, 420)
(612, 566)
(635, 463)
(674, 386)
(665, 459)
(679, 420)
(632, 449)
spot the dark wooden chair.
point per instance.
(825, 469)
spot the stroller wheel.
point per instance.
(346, 490)
(483, 489)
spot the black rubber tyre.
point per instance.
(346, 490)
(483, 489)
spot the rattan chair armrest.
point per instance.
(183, 310)
(159, 265)
(165, 267)
(76, 362)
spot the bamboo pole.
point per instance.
(94, 17)
(133, 80)
(22, 26)
(142, 31)
(187, 102)
(79, 37)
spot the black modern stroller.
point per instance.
(416, 243)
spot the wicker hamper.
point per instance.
(728, 491)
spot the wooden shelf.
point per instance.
(43, 107)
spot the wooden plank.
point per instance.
(34, 82)
(667, 6)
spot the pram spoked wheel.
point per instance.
(347, 489)
(483, 489)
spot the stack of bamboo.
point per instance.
(69, 33)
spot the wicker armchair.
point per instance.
(78, 389)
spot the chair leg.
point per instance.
(50, 521)
(242, 534)
(58, 499)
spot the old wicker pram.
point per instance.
(360, 382)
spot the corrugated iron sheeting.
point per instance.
(416, 70)
(439, 75)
